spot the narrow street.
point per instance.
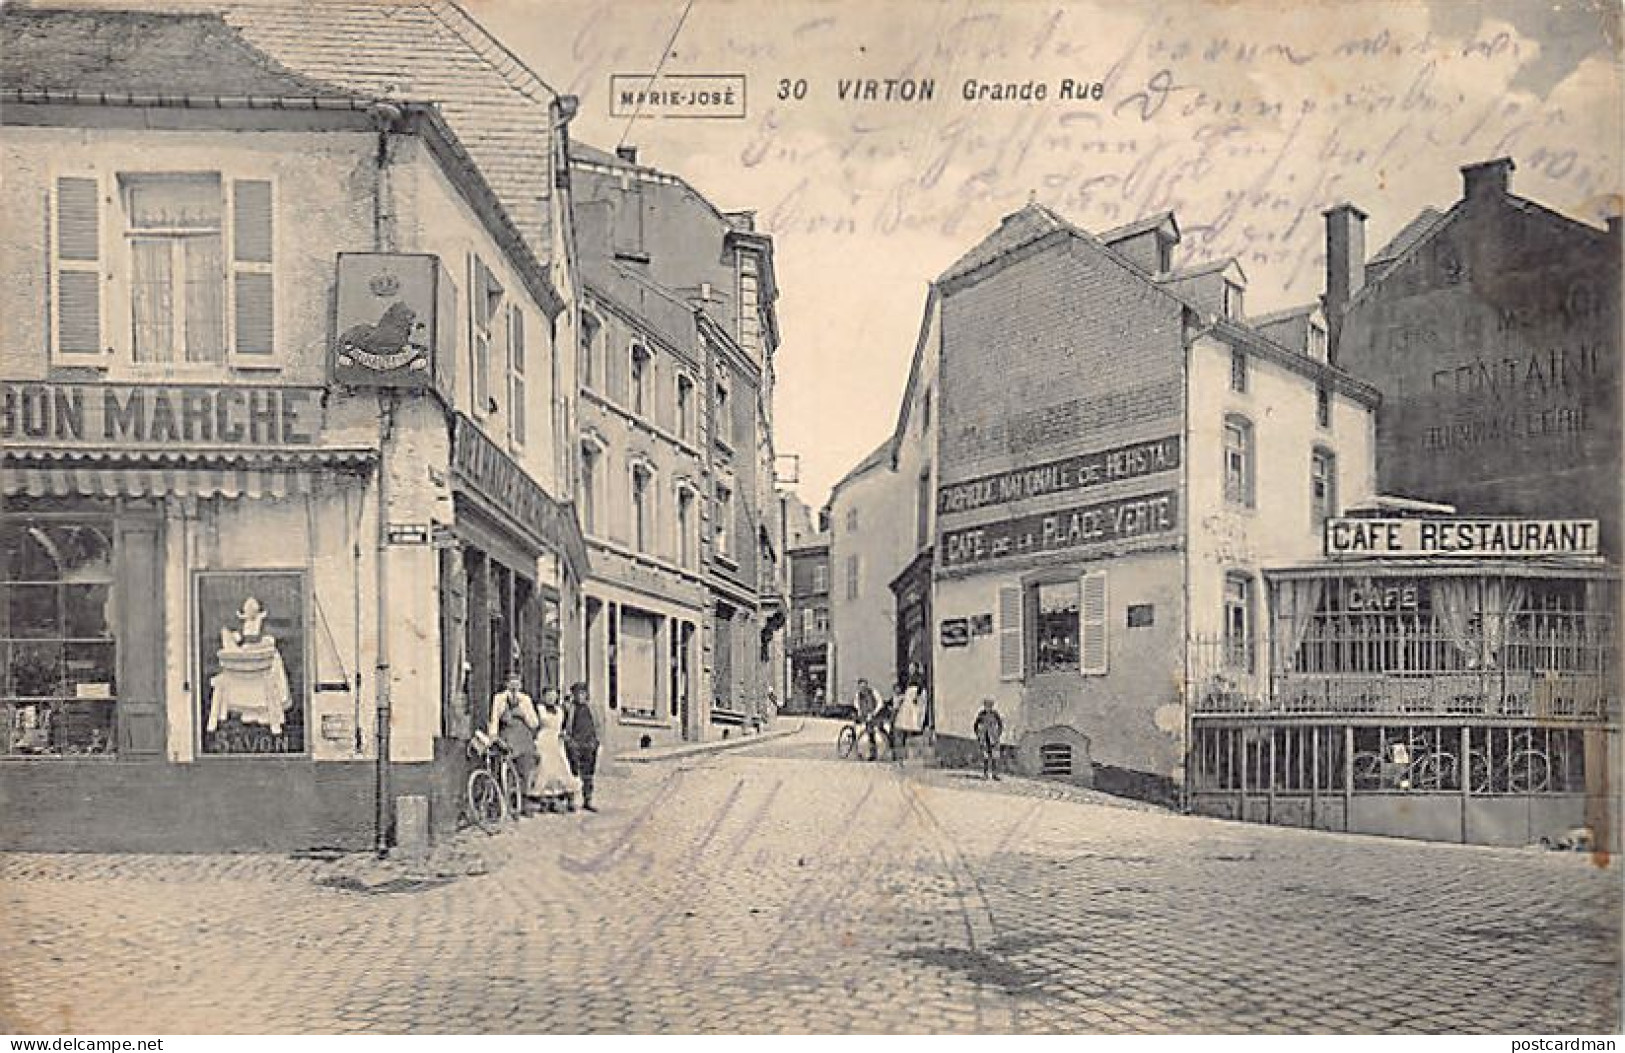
(774, 888)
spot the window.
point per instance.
(639, 670)
(922, 510)
(820, 620)
(750, 316)
(685, 527)
(851, 520)
(1322, 485)
(177, 267)
(1317, 342)
(852, 580)
(925, 410)
(1238, 370)
(59, 679)
(485, 308)
(640, 377)
(820, 577)
(1056, 627)
(590, 454)
(1238, 621)
(723, 527)
(642, 509)
(685, 408)
(590, 328)
(722, 426)
(1238, 461)
(516, 376)
(1232, 300)
(1323, 406)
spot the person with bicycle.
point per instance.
(871, 715)
(513, 723)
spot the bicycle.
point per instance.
(493, 792)
(853, 734)
(1413, 765)
(1522, 768)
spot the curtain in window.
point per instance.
(1301, 600)
(1453, 602)
(1502, 601)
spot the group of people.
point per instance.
(898, 717)
(554, 746)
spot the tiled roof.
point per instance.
(1409, 235)
(429, 51)
(90, 52)
(1032, 222)
(1139, 226)
(659, 311)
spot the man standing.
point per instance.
(581, 741)
(989, 728)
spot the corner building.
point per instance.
(283, 493)
(1120, 455)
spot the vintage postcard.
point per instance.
(812, 517)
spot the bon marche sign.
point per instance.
(1496, 538)
(127, 415)
(1121, 520)
(1069, 473)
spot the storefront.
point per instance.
(1466, 697)
(912, 592)
(181, 625)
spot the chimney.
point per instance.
(629, 154)
(1345, 266)
(1487, 178)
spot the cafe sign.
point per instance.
(1353, 538)
(1126, 519)
(43, 413)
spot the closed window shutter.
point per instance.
(1092, 623)
(77, 266)
(1012, 646)
(516, 376)
(253, 285)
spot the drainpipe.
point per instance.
(385, 117)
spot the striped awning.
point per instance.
(181, 473)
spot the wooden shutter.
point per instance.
(140, 640)
(1092, 625)
(516, 376)
(253, 287)
(1012, 644)
(76, 269)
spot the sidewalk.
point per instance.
(689, 749)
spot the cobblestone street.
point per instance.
(774, 888)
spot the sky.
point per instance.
(1246, 119)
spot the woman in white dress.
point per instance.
(553, 780)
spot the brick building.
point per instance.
(284, 496)
(1493, 331)
(685, 612)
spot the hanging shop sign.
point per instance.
(1126, 519)
(1081, 472)
(1481, 538)
(250, 654)
(159, 415)
(396, 322)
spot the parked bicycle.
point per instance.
(1411, 764)
(493, 792)
(1522, 767)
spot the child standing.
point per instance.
(989, 728)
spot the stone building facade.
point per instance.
(283, 492)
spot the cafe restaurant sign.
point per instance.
(157, 415)
(1480, 538)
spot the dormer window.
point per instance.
(1317, 342)
(1165, 255)
(1232, 300)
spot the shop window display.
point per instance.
(57, 641)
